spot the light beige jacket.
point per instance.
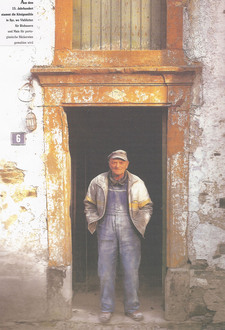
(140, 204)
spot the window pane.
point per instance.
(119, 24)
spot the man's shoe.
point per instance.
(136, 316)
(105, 317)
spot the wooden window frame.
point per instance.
(119, 25)
(64, 37)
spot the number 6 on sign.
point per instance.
(18, 138)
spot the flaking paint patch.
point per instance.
(4, 206)
(87, 95)
(23, 209)
(24, 192)
(206, 238)
(141, 96)
(55, 95)
(3, 195)
(198, 282)
(10, 221)
(10, 174)
(117, 95)
(56, 135)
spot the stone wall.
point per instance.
(204, 41)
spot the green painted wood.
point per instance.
(135, 24)
(125, 28)
(77, 24)
(145, 24)
(86, 24)
(105, 28)
(115, 24)
(119, 24)
(96, 26)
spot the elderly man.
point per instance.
(118, 205)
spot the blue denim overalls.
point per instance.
(116, 234)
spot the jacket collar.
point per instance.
(102, 180)
(118, 182)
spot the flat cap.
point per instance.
(121, 154)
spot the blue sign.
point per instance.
(18, 138)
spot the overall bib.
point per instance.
(117, 236)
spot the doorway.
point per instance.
(94, 132)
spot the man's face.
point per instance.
(118, 167)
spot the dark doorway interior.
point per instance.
(93, 133)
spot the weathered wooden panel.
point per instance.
(105, 24)
(119, 24)
(76, 24)
(135, 24)
(115, 24)
(86, 26)
(95, 25)
(155, 24)
(145, 24)
(125, 28)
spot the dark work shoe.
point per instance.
(105, 317)
(136, 316)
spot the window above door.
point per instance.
(98, 34)
(119, 24)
